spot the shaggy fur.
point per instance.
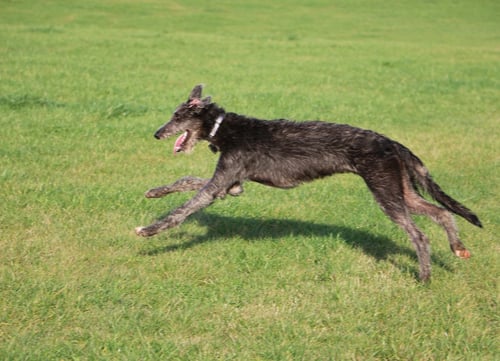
(284, 154)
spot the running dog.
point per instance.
(284, 154)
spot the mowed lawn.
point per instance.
(313, 273)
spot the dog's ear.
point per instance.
(207, 100)
(196, 92)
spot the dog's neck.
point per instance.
(216, 126)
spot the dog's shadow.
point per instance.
(220, 228)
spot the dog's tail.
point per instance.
(421, 179)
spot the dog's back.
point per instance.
(284, 153)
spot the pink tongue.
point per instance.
(179, 142)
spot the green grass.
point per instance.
(314, 273)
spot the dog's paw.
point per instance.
(144, 232)
(462, 253)
(156, 193)
(235, 190)
(151, 194)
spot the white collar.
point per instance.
(218, 121)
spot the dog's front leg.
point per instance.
(184, 184)
(201, 200)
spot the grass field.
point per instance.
(313, 273)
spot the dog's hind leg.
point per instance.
(386, 186)
(420, 243)
(400, 215)
(441, 216)
(184, 184)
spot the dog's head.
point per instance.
(188, 119)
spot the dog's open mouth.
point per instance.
(181, 142)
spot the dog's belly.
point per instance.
(283, 176)
(275, 182)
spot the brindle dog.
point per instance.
(284, 154)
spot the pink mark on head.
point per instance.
(195, 103)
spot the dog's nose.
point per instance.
(157, 136)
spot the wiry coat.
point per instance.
(284, 154)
